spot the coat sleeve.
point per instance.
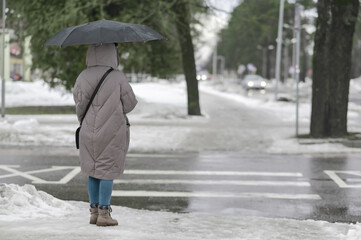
(127, 96)
(78, 99)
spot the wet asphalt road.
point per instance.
(322, 187)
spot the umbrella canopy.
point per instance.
(103, 31)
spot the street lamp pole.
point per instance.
(214, 65)
(297, 30)
(279, 47)
(3, 64)
(222, 59)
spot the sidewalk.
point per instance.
(230, 122)
(26, 213)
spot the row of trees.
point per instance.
(252, 29)
(250, 36)
(42, 19)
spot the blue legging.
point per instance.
(100, 191)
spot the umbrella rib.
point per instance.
(76, 27)
(136, 33)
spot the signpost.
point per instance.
(3, 64)
(279, 47)
(297, 33)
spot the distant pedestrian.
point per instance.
(104, 134)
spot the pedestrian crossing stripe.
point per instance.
(125, 193)
(213, 182)
(74, 170)
(212, 173)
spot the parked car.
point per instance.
(253, 81)
(16, 77)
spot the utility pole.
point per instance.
(215, 59)
(286, 59)
(3, 64)
(279, 47)
(297, 32)
(222, 59)
(264, 62)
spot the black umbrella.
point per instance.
(103, 31)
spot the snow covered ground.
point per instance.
(37, 93)
(162, 106)
(285, 111)
(26, 213)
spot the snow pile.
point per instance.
(26, 125)
(30, 130)
(17, 203)
(29, 214)
(162, 92)
(161, 106)
(296, 146)
(160, 103)
(37, 93)
(355, 84)
(160, 100)
(48, 130)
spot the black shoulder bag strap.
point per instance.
(89, 104)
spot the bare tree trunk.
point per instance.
(303, 56)
(331, 66)
(356, 55)
(268, 62)
(182, 12)
(285, 62)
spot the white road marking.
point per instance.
(213, 182)
(212, 173)
(65, 179)
(22, 174)
(155, 155)
(121, 193)
(356, 180)
(53, 168)
(341, 183)
(12, 166)
(75, 170)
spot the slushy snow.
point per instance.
(37, 93)
(159, 102)
(26, 213)
(38, 130)
(162, 106)
(285, 141)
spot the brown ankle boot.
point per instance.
(93, 214)
(104, 218)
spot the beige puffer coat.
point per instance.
(104, 135)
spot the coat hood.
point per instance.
(102, 55)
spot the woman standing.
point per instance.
(104, 135)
